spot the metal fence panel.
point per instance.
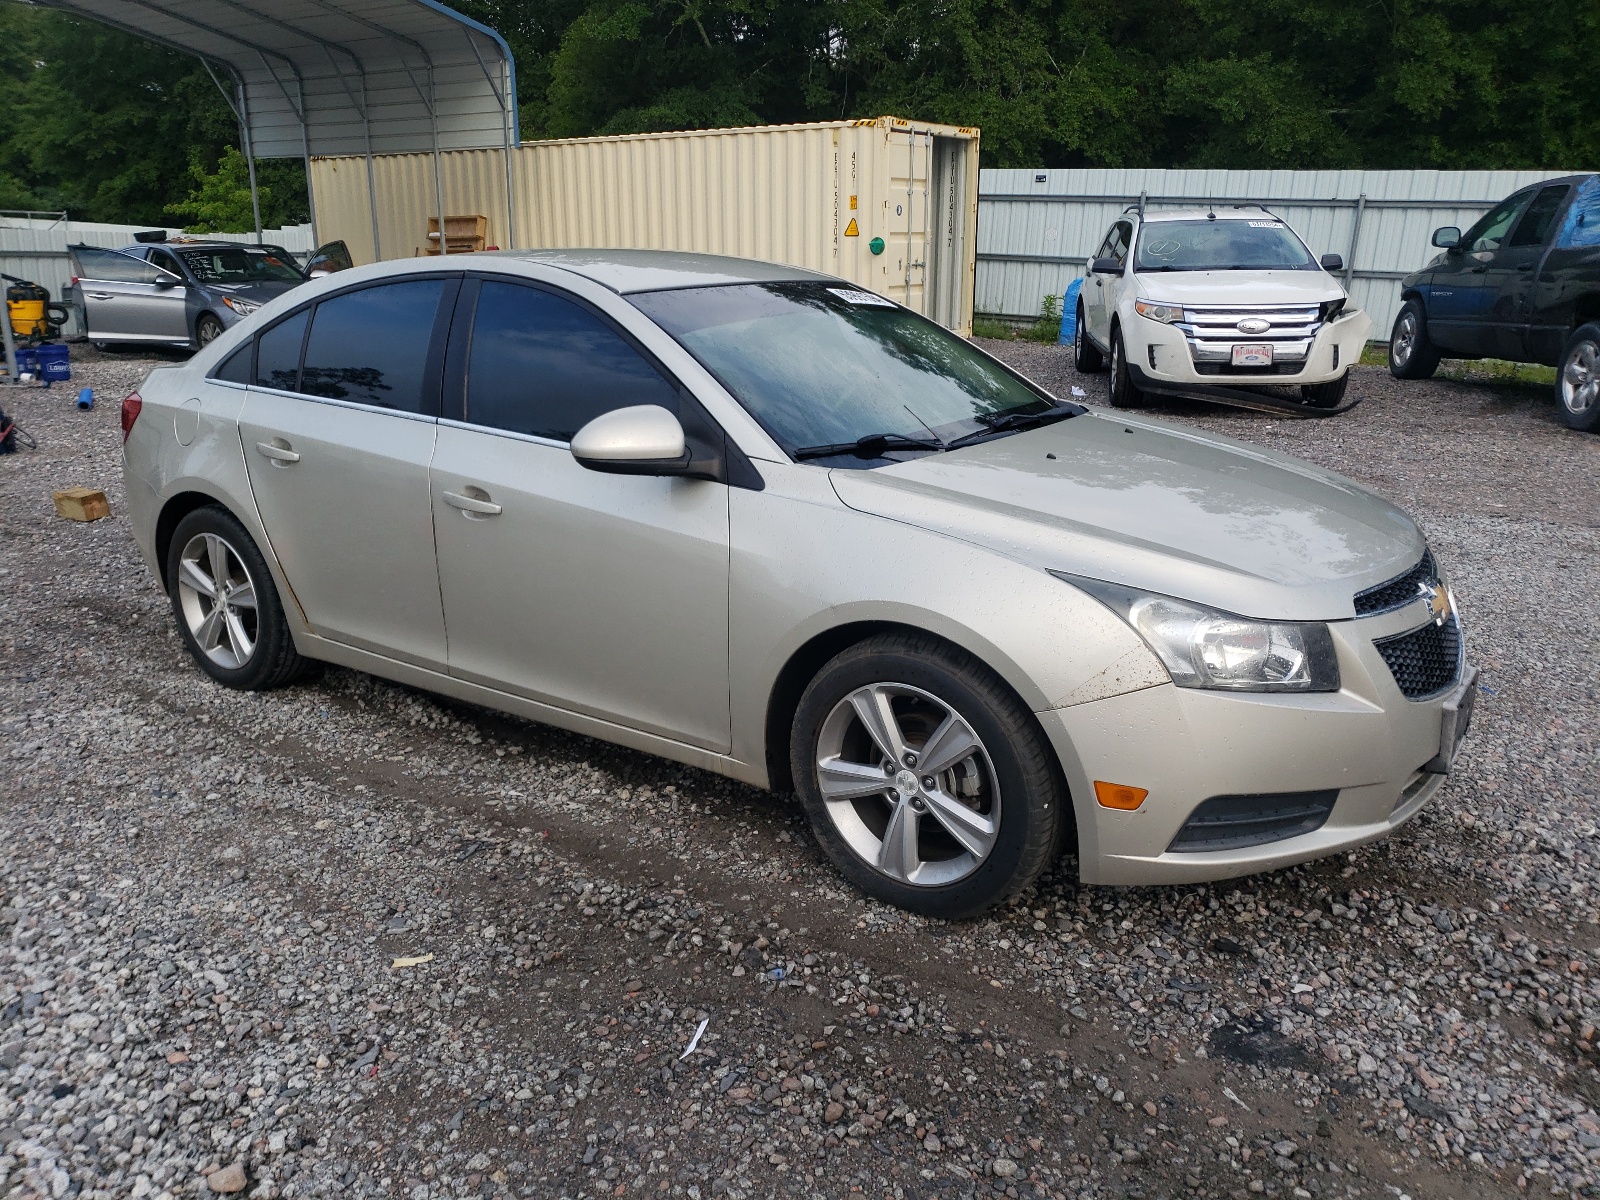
(35, 248)
(1037, 229)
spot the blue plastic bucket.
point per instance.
(27, 361)
(53, 363)
(1069, 312)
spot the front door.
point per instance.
(1099, 291)
(337, 443)
(126, 299)
(600, 594)
(1460, 299)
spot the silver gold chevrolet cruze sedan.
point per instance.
(762, 521)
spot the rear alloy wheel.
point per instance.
(1578, 383)
(1086, 356)
(1411, 354)
(926, 781)
(228, 611)
(1326, 395)
(1124, 392)
(206, 330)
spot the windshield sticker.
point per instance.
(855, 296)
(1266, 224)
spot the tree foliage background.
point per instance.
(112, 128)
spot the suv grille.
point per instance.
(1397, 593)
(1212, 332)
(1425, 661)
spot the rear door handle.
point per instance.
(1524, 266)
(101, 295)
(1479, 270)
(280, 454)
(470, 504)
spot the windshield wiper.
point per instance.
(872, 445)
(1010, 422)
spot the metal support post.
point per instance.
(10, 347)
(1355, 236)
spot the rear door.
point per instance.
(126, 299)
(1514, 274)
(338, 429)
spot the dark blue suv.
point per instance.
(1522, 284)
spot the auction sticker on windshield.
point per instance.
(852, 296)
(1252, 356)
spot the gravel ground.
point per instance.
(352, 938)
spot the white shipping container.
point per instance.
(887, 203)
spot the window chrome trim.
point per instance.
(329, 400)
(532, 438)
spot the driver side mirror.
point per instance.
(1447, 237)
(1105, 266)
(645, 439)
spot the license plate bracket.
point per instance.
(1252, 354)
(1455, 717)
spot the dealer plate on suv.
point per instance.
(1252, 356)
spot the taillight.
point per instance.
(132, 405)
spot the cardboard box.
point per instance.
(82, 504)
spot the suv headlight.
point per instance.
(1205, 648)
(243, 307)
(1167, 314)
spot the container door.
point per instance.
(910, 156)
(947, 234)
(128, 299)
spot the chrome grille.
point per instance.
(1400, 591)
(1213, 332)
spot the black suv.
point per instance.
(1522, 284)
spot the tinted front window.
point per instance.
(1490, 231)
(1223, 245)
(821, 364)
(278, 353)
(545, 365)
(1541, 215)
(371, 346)
(242, 264)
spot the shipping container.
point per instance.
(888, 203)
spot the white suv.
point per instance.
(1189, 301)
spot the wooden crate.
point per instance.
(82, 504)
(463, 234)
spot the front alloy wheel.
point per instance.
(927, 781)
(908, 784)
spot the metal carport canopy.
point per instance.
(340, 77)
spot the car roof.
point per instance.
(197, 244)
(626, 271)
(1229, 212)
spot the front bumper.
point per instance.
(1165, 354)
(1367, 742)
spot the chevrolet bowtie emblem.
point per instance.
(1438, 598)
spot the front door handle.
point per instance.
(1479, 270)
(101, 295)
(470, 504)
(1524, 266)
(278, 454)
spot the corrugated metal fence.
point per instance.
(1037, 229)
(35, 247)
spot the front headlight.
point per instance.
(243, 307)
(1167, 314)
(1204, 648)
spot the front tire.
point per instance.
(1411, 354)
(1578, 379)
(1086, 356)
(228, 611)
(1124, 392)
(926, 780)
(1326, 395)
(206, 330)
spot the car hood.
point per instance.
(259, 292)
(1156, 507)
(1252, 288)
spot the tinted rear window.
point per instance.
(371, 346)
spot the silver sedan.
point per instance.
(767, 523)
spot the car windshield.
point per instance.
(827, 364)
(1222, 245)
(242, 264)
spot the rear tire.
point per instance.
(1578, 379)
(1086, 356)
(1124, 392)
(246, 645)
(970, 825)
(1326, 395)
(1411, 354)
